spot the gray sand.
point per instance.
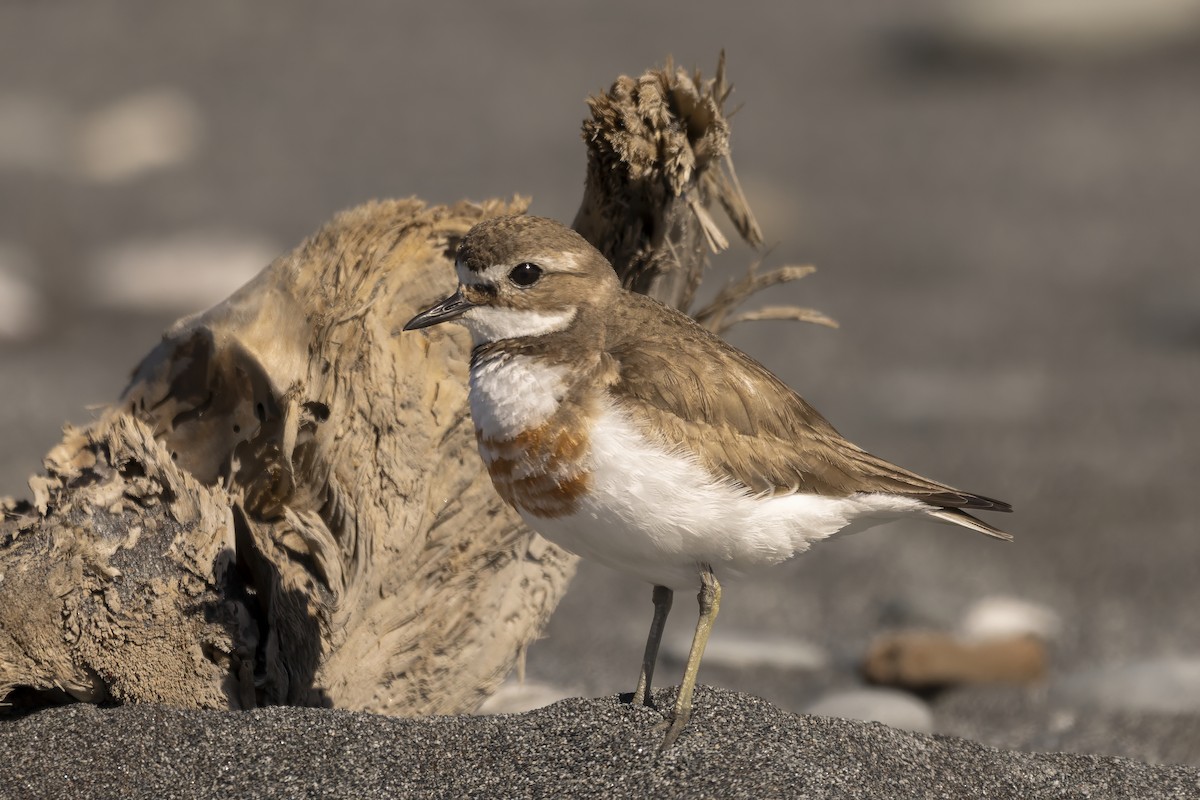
(736, 746)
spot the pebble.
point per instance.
(741, 650)
(140, 133)
(889, 706)
(1001, 617)
(919, 660)
(1169, 685)
(1066, 29)
(186, 272)
(517, 697)
(22, 310)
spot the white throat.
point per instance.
(491, 324)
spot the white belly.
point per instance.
(659, 515)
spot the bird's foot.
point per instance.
(636, 700)
(673, 727)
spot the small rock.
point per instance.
(187, 272)
(1162, 685)
(142, 132)
(22, 310)
(925, 660)
(889, 706)
(515, 697)
(740, 650)
(1064, 29)
(999, 617)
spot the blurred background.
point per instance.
(1001, 199)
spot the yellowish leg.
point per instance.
(710, 604)
(662, 607)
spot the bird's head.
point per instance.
(521, 276)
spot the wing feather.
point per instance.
(694, 391)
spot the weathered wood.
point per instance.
(658, 158)
(286, 506)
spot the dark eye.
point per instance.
(525, 274)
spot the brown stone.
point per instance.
(921, 660)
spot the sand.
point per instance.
(736, 746)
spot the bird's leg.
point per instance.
(662, 607)
(710, 603)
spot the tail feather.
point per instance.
(953, 498)
(956, 517)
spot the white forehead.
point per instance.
(497, 273)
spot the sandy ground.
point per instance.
(1009, 243)
(738, 746)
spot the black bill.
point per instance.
(453, 306)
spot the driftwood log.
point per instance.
(286, 507)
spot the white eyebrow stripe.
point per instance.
(567, 262)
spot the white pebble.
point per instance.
(187, 272)
(22, 310)
(1070, 28)
(1163, 685)
(741, 650)
(514, 697)
(1000, 617)
(889, 706)
(142, 132)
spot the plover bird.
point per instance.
(624, 432)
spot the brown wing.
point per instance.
(691, 389)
